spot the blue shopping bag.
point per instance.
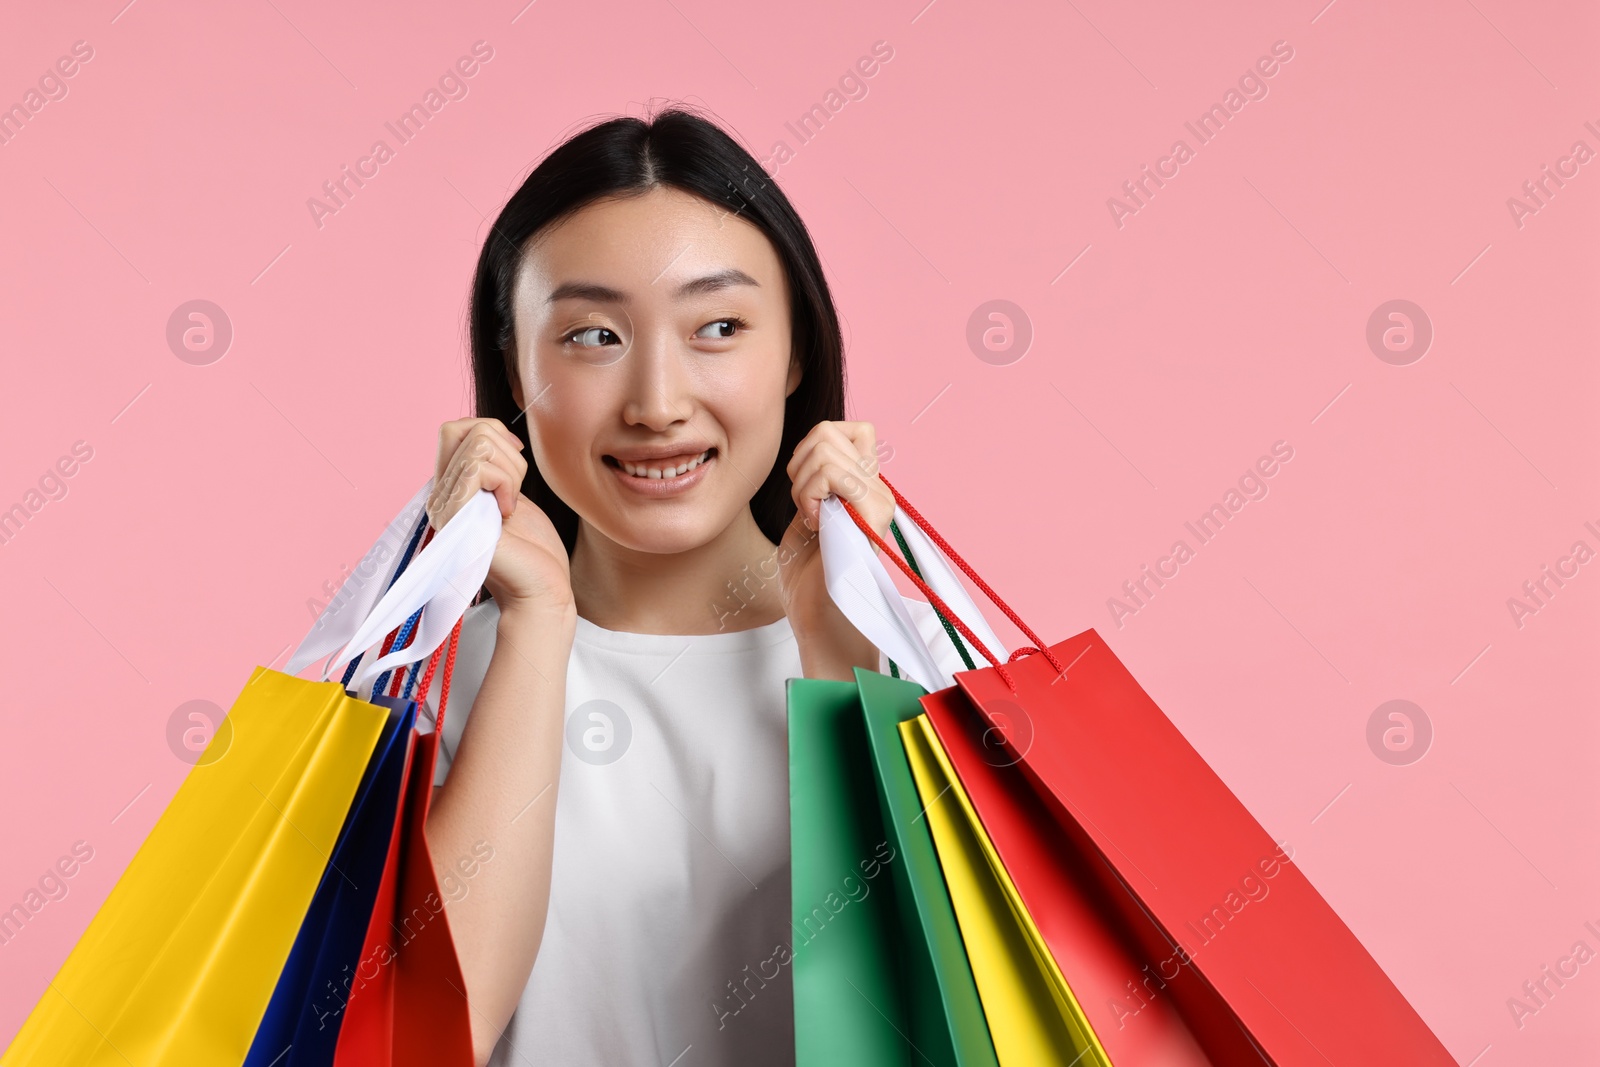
(301, 1024)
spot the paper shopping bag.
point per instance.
(1223, 892)
(181, 963)
(301, 1025)
(849, 1004)
(1034, 1017)
(404, 1004)
(1074, 914)
(1142, 1005)
(880, 976)
(404, 1000)
(936, 969)
(178, 965)
(1229, 898)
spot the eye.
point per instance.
(723, 329)
(592, 337)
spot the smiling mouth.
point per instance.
(656, 469)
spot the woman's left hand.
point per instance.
(839, 459)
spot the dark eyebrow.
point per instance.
(604, 294)
(600, 294)
(722, 279)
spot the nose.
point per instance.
(659, 393)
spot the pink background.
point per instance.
(1229, 313)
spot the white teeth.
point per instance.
(639, 470)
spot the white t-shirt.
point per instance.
(669, 894)
(670, 873)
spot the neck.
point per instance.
(728, 583)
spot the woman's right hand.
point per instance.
(511, 745)
(530, 570)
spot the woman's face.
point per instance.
(653, 361)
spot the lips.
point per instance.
(661, 467)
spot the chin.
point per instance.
(642, 531)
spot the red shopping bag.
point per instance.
(407, 1003)
(1144, 1006)
(1131, 797)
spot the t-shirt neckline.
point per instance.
(597, 636)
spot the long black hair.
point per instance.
(627, 157)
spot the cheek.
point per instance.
(560, 444)
(750, 402)
(565, 418)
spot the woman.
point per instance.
(660, 399)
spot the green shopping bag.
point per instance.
(880, 973)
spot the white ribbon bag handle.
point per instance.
(860, 585)
(443, 578)
(362, 588)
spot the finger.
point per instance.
(864, 436)
(517, 465)
(481, 462)
(450, 493)
(813, 482)
(451, 435)
(821, 485)
(808, 496)
(849, 474)
(493, 431)
(504, 447)
(515, 447)
(818, 445)
(511, 439)
(802, 451)
(490, 464)
(855, 439)
(823, 433)
(477, 476)
(869, 496)
(438, 508)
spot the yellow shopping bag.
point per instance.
(1033, 1016)
(177, 967)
